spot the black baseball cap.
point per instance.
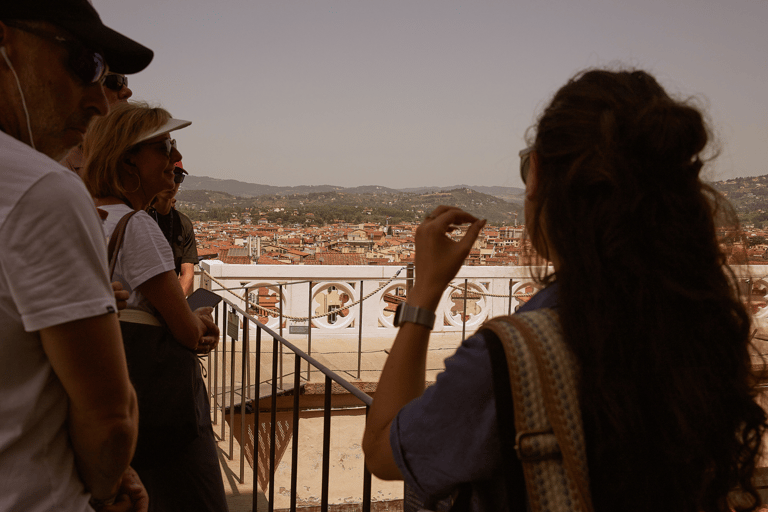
(79, 18)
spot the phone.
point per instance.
(201, 298)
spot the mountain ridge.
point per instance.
(245, 189)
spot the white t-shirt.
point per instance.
(53, 270)
(144, 254)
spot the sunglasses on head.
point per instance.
(114, 81)
(87, 65)
(525, 163)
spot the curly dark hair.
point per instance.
(645, 298)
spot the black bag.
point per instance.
(166, 377)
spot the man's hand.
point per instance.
(121, 296)
(132, 495)
(211, 337)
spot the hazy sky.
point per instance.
(405, 93)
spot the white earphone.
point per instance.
(21, 93)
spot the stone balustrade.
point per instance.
(334, 287)
(491, 291)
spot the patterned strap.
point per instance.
(550, 437)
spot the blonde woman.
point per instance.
(129, 158)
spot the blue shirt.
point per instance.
(449, 435)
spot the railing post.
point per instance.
(464, 314)
(247, 378)
(309, 331)
(272, 427)
(246, 335)
(360, 332)
(295, 448)
(408, 277)
(215, 373)
(326, 445)
(223, 369)
(280, 299)
(232, 393)
(243, 381)
(256, 426)
(509, 309)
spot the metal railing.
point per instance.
(223, 399)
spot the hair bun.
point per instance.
(668, 137)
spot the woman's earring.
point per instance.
(137, 186)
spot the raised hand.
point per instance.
(438, 258)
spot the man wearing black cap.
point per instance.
(68, 417)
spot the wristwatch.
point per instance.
(407, 313)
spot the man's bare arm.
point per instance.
(88, 357)
(187, 277)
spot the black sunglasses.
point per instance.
(87, 65)
(178, 176)
(115, 82)
(170, 145)
(525, 163)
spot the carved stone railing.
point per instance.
(325, 292)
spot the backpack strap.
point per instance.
(549, 441)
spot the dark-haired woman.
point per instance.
(615, 202)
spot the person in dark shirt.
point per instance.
(179, 232)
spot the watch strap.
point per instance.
(414, 314)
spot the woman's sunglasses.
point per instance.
(525, 163)
(87, 65)
(168, 146)
(115, 82)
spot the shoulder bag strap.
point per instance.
(549, 432)
(558, 373)
(505, 420)
(116, 240)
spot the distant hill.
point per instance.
(511, 194)
(357, 205)
(745, 194)
(749, 197)
(243, 189)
